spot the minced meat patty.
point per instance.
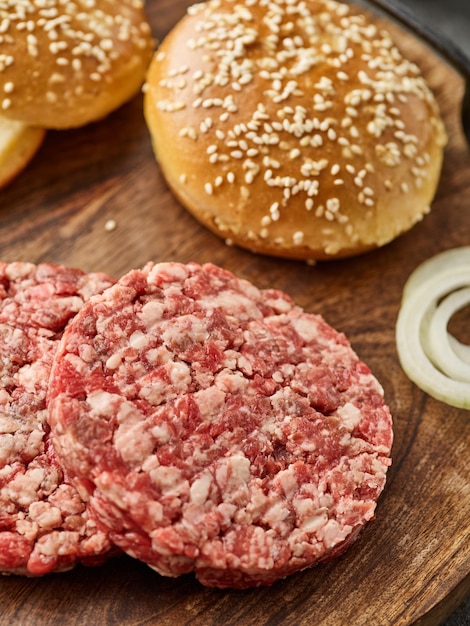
(217, 428)
(44, 524)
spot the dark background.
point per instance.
(449, 17)
(452, 17)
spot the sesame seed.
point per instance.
(353, 131)
(263, 233)
(110, 225)
(333, 204)
(298, 238)
(274, 211)
(265, 220)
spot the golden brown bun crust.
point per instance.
(67, 63)
(18, 144)
(294, 129)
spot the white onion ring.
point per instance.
(448, 259)
(440, 350)
(431, 357)
(461, 349)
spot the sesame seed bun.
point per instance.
(294, 129)
(65, 63)
(18, 144)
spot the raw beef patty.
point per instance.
(44, 524)
(217, 428)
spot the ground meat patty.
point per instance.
(217, 428)
(44, 524)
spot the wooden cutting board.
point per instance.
(412, 564)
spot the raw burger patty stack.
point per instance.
(44, 524)
(215, 428)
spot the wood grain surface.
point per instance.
(412, 563)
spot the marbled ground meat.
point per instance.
(44, 524)
(216, 428)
